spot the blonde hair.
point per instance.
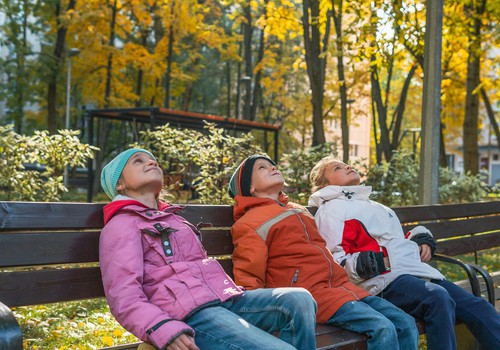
(317, 175)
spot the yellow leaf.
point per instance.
(108, 341)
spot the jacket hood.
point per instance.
(120, 202)
(345, 192)
(245, 203)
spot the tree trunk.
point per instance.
(52, 120)
(314, 66)
(381, 112)
(140, 73)
(471, 118)
(491, 116)
(257, 88)
(398, 114)
(170, 59)
(442, 147)
(344, 122)
(247, 43)
(111, 45)
(103, 127)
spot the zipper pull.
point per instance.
(295, 276)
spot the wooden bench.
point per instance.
(40, 243)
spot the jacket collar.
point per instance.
(341, 192)
(245, 203)
(121, 202)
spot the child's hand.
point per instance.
(183, 342)
(387, 263)
(425, 252)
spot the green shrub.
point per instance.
(51, 153)
(396, 183)
(297, 165)
(205, 160)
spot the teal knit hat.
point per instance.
(112, 171)
(242, 177)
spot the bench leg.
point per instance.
(11, 336)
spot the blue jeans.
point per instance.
(386, 326)
(437, 303)
(247, 322)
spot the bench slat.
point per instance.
(468, 244)
(215, 215)
(446, 211)
(456, 228)
(33, 215)
(49, 286)
(328, 337)
(43, 248)
(217, 242)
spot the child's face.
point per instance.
(266, 179)
(140, 175)
(341, 174)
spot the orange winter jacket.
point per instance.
(277, 244)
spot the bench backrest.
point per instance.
(49, 251)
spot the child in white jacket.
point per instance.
(367, 239)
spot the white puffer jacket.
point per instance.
(377, 228)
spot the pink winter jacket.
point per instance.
(149, 289)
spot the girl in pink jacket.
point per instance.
(161, 286)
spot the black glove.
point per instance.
(370, 264)
(425, 238)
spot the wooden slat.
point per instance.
(211, 215)
(42, 248)
(48, 286)
(328, 337)
(33, 215)
(446, 211)
(469, 244)
(457, 228)
(30, 215)
(227, 265)
(217, 242)
(131, 346)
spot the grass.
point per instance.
(89, 325)
(78, 325)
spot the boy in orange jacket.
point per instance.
(277, 244)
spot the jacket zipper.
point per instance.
(322, 251)
(295, 277)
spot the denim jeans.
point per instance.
(386, 326)
(437, 303)
(247, 322)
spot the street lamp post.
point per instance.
(72, 52)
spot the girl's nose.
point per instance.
(152, 161)
(348, 167)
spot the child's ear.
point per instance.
(120, 186)
(252, 190)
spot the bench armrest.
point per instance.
(11, 336)
(472, 271)
(488, 281)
